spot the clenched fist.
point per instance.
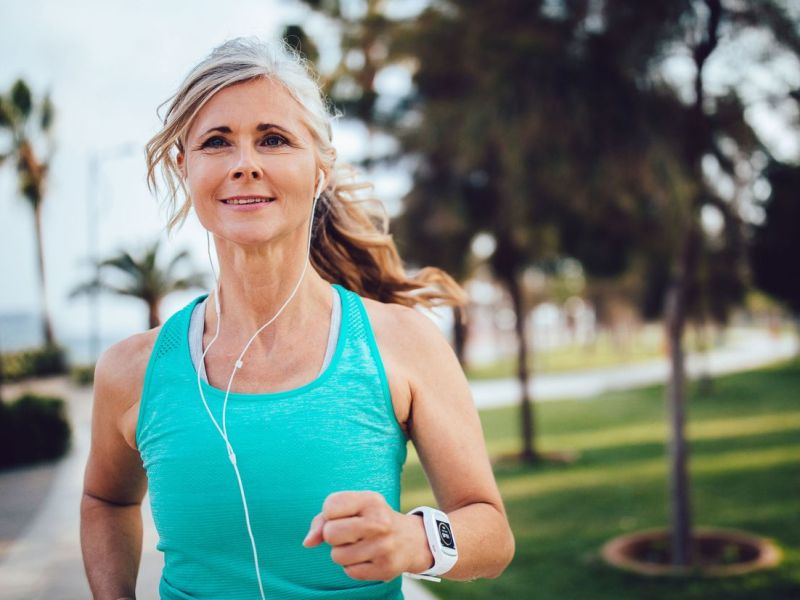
(369, 538)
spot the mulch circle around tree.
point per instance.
(716, 553)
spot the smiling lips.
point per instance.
(236, 200)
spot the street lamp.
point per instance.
(96, 161)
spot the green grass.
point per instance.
(744, 472)
(605, 351)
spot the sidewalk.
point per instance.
(42, 560)
(749, 351)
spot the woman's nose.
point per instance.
(246, 167)
(243, 173)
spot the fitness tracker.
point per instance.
(440, 540)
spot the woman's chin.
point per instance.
(250, 234)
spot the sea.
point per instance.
(22, 331)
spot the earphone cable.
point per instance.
(223, 431)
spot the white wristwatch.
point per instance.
(440, 540)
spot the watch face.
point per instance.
(445, 535)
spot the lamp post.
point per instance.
(96, 161)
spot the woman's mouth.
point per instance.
(247, 200)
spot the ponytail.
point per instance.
(351, 246)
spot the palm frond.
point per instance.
(21, 98)
(48, 114)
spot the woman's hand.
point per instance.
(369, 538)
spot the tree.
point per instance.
(505, 131)
(29, 122)
(439, 233)
(557, 120)
(707, 133)
(505, 140)
(143, 279)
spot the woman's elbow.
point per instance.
(509, 548)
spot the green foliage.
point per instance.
(82, 374)
(48, 113)
(776, 243)
(5, 115)
(21, 98)
(296, 37)
(32, 429)
(36, 362)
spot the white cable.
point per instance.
(223, 431)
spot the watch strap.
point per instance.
(434, 521)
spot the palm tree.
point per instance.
(143, 279)
(27, 121)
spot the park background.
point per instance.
(615, 183)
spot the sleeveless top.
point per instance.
(294, 448)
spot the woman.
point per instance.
(272, 440)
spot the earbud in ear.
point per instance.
(321, 184)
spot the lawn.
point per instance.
(745, 474)
(606, 351)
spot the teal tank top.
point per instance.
(294, 448)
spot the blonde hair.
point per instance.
(351, 244)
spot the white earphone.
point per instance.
(320, 186)
(223, 431)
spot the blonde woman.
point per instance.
(269, 420)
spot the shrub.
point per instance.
(82, 374)
(47, 360)
(32, 429)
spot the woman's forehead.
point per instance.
(249, 104)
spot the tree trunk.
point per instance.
(528, 454)
(152, 314)
(460, 332)
(696, 137)
(676, 401)
(47, 326)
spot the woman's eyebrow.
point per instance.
(259, 127)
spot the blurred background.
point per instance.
(615, 183)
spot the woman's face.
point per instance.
(249, 142)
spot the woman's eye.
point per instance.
(212, 142)
(274, 140)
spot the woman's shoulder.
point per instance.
(121, 367)
(405, 331)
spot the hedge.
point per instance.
(35, 362)
(33, 428)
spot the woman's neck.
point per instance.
(255, 283)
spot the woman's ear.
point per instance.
(321, 181)
(180, 160)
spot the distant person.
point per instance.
(272, 445)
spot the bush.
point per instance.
(32, 429)
(82, 374)
(48, 360)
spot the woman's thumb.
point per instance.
(314, 535)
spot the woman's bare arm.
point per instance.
(114, 481)
(447, 434)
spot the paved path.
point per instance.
(43, 561)
(747, 350)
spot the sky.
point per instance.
(109, 65)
